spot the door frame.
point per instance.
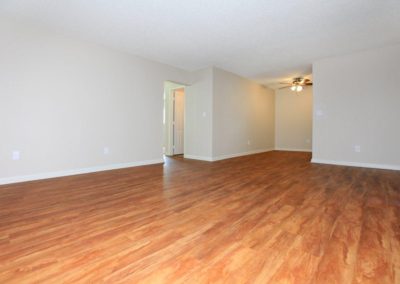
(169, 113)
(174, 116)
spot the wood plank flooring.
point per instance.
(265, 218)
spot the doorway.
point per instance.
(174, 121)
(178, 121)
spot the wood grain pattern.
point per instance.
(265, 218)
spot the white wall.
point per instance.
(293, 119)
(243, 116)
(357, 102)
(199, 116)
(63, 100)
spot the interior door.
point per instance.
(178, 121)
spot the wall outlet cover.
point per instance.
(16, 155)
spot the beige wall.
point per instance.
(243, 116)
(227, 115)
(293, 119)
(63, 100)
(357, 103)
(199, 116)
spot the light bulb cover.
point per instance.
(293, 88)
(299, 88)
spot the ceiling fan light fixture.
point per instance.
(297, 84)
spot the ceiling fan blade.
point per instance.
(287, 83)
(284, 87)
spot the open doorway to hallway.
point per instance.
(173, 121)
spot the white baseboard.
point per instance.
(201, 158)
(293, 150)
(47, 175)
(229, 156)
(356, 164)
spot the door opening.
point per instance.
(178, 121)
(174, 122)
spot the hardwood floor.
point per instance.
(266, 218)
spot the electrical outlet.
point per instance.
(16, 155)
(357, 148)
(248, 142)
(106, 150)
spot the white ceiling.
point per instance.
(259, 39)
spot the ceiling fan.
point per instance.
(297, 84)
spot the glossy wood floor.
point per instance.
(267, 218)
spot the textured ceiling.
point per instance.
(259, 39)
